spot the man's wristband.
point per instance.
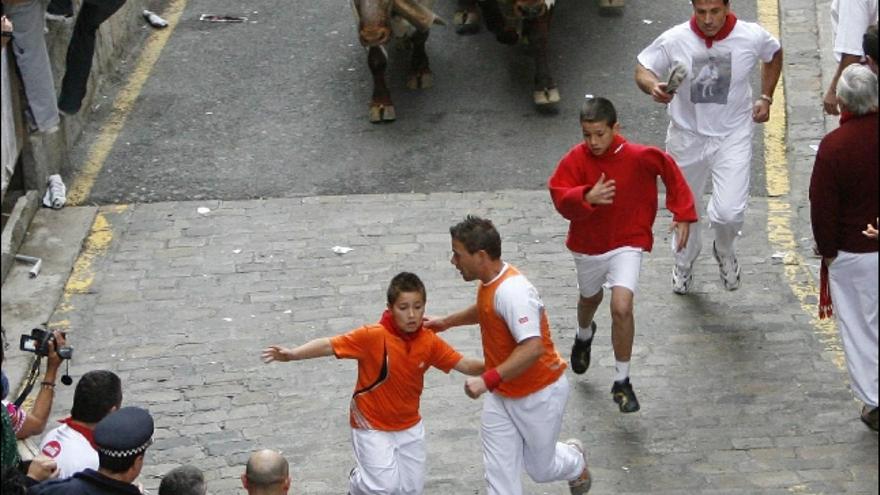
(492, 379)
(47, 384)
(768, 99)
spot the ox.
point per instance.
(380, 20)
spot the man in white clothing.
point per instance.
(71, 446)
(849, 21)
(710, 129)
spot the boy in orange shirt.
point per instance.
(393, 355)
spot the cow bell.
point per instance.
(421, 17)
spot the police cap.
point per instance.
(124, 433)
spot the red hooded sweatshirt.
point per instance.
(597, 229)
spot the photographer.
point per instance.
(26, 424)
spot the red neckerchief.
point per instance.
(83, 430)
(387, 321)
(720, 35)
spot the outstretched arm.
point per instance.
(470, 366)
(316, 348)
(467, 316)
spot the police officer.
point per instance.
(121, 438)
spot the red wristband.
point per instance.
(492, 379)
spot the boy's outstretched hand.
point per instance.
(276, 353)
(682, 230)
(475, 386)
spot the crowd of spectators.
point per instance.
(100, 447)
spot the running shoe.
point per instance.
(581, 484)
(682, 279)
(580, 352)
(623, 395)
(729, 269)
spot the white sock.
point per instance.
(621, 370)
(584, 334)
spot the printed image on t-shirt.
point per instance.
(711, 80)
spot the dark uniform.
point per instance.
(121, 436)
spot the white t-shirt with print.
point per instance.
(716, 97)
(70, 450)
(849, 21)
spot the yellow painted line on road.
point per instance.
(122, 105)
(82, 276)
(779, 210)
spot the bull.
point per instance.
(378, 21)
(522, 21)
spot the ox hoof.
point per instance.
(546, 96)
(422, 79)
(611, 7)
(466, 21)
(382, 113)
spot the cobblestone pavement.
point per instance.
(741, 392)
(738, 394)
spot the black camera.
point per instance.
(38, 343)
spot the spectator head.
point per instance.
(97, 394)
(857, 90)
(267, 473)
(14, 481)
(870, 47)
(121, 439)
(477, 234)
(183, 480)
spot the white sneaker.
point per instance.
(682, 279)
(56, 192)
(729, 269)
(584, 482)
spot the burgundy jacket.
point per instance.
(844, 187)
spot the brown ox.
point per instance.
(379, 21)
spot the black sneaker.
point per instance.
(623, 395)
(580, 352)
(59, 10)
(871, 417)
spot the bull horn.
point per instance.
(417, 14)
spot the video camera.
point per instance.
(38, 343)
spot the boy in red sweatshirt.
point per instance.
(606, 188)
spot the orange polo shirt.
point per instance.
(391, 374)
(499, 341)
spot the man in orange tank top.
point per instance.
(525, 377)
(393, 355)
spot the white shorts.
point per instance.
(618, 267)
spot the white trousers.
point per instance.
(523, 433)
(388, 462)
(727, 159)
(853, 284)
